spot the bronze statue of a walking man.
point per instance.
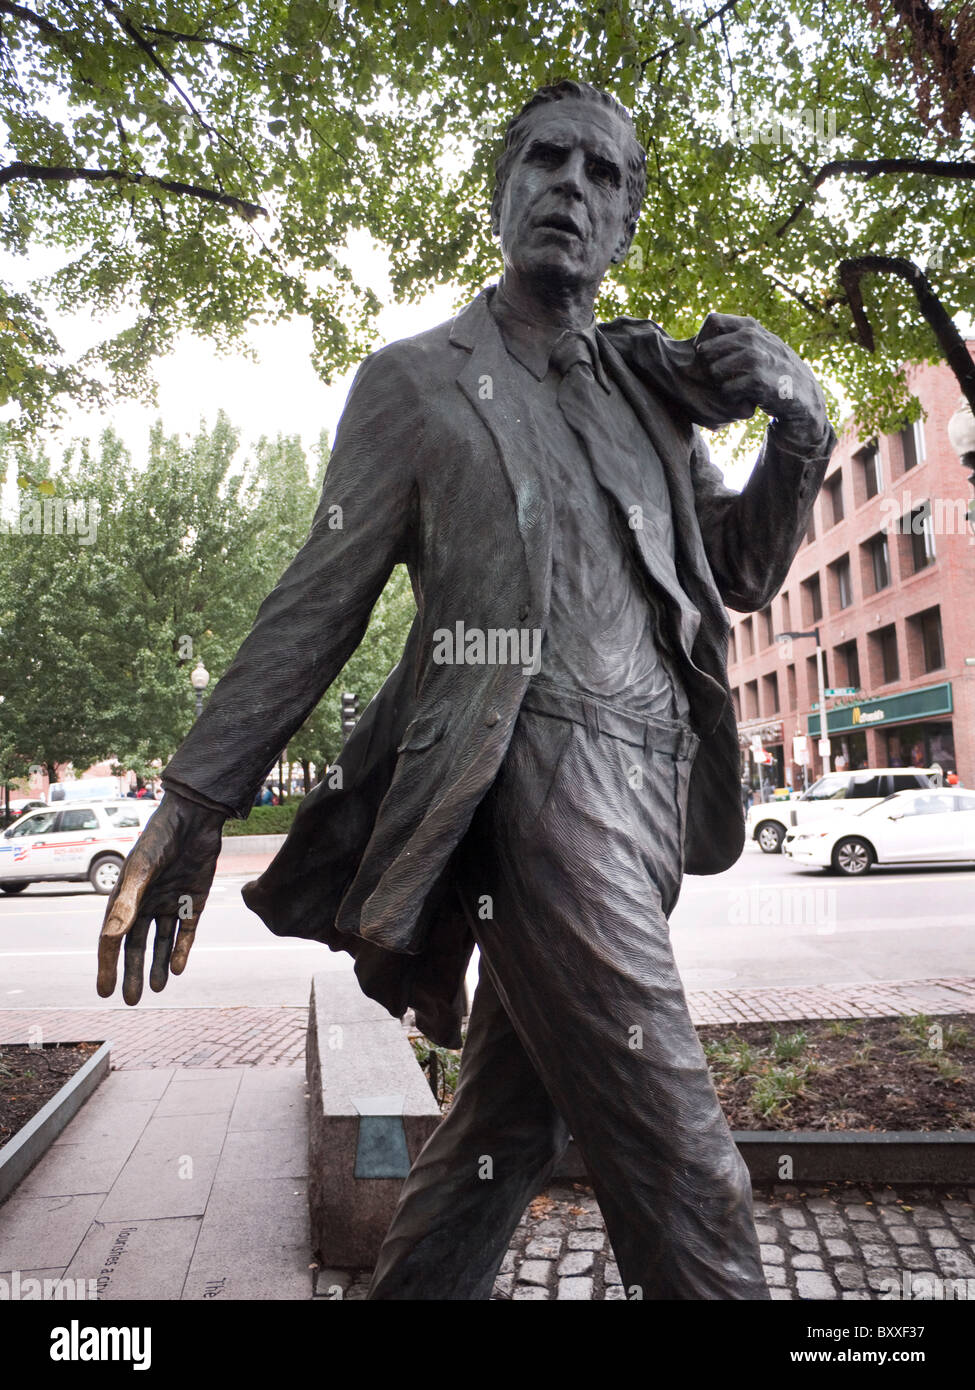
(557, 745)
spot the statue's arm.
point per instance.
(315, 617)
(751, 537)
(305, 631)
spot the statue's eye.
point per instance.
(601, 171)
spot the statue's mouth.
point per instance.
(559, 222)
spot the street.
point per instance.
(763, 923)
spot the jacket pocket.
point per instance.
(423, 731)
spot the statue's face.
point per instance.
(564, 210)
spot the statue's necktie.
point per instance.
(636, 483)
(597, 419)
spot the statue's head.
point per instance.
(569, 184)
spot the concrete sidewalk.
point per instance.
(172, 1184)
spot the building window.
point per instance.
(736, 701)
(812, 677)
(879, 562)
(927, 630)
(790, 685)
(771, 693)
(786, 613)
(732, 648)
(841, 582)
(871, 472)
(747, 639)
(849, 664)
(811, 529)
(812, 600)
(751, 700)
(912, 444)
(920, 524)
(833, 499)
(884, 641)
(769, 629)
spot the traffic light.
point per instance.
(350, 713)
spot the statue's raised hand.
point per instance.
(166, 879)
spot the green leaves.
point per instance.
(352, 115)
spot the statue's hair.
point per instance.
(516, 135)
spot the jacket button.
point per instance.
(523, 612)
(492, 718)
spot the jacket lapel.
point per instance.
(489, 381)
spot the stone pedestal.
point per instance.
(371, 1111)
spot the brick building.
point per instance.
(887, 573)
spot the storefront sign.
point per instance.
(892, 709)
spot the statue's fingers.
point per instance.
(161, 951)
(135, 955)
(184, 942)
(126, 898)
(108, 949)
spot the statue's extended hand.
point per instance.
(166, 880)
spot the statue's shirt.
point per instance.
(609, 633)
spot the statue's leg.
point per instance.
(581, 874)
(476, 1174)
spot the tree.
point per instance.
(98, 635)
(204, 166)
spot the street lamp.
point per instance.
(199, 679)
(961, 436)
(821, 676)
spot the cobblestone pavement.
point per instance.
(836, 1242)
(275, 1036)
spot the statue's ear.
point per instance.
(623, 245)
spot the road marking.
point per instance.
(197, 950)
(875, 879)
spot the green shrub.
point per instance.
(265, 820)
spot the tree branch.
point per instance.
(870, 168)
(65, 173)
(950, 341)
(701, 24)
(29, 17)
(177, 37)
(141, 42)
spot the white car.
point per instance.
(936, 826)
(87, 841)
(768, 822)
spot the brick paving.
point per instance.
(212, 1037)
(877, 999)
(275, 1036)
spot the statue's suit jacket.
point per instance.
(435, 465)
